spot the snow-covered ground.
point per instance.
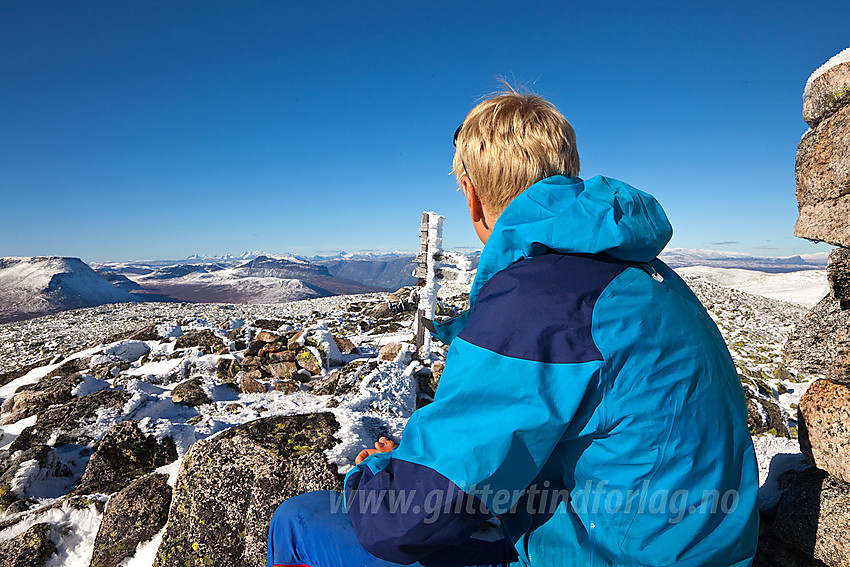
(805, 287)
(754, 326)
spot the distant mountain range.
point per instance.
(30, 287)
(682, 257)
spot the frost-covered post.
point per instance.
(430, 251)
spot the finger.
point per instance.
(362, 455)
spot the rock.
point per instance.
(252, 362)
(270, 348)
(389, 351)
(254, 348)
(250, 385)
(48, 468)
(229, 486)
(353, 373)
(827, 94)
(287, 387)
(133, 515)
(72, 422)
(268, 324)
(814, 513)
(307, 360)
(325, 386)
(394, 351)
(6, 377)
(282, 369)
(282, 356)
(436, 372)
(69, 367)
(296, 341)
(148, 333)
(824, 427)
(839, 370)
(819, 335)
(124, 454)
(345, 346)
(267, 337)
(34, 398)
(205, 339)
(823, 181)
(226, 370)
(380, 311)
(30, 549)
(256, 374)
(838, 273)
(190, 393)
(764, 415)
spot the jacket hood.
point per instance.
(570, 216)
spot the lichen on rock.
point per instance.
(229, 486)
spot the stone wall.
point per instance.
(821, 341)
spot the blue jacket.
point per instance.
(588, 400)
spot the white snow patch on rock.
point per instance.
(838, 59)
(128, 351)
(89, 385)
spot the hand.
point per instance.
(382, 445)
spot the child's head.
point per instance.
(511, 141)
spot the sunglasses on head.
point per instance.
(454, 141)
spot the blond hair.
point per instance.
(511, 141)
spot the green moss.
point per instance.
(7, 497)
(834, 98)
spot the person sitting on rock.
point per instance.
(589, 408)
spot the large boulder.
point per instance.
(132, 516)
(827, 94)
(30, 549)
(814, 513)
(822, 334)
(124, 454)
(190, 393)
(838, 273)
(34, 398)
(229, 486)
(823, 181)
(824, 427)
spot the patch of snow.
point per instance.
(775, 455)
(30, 377)
(145, 552)
(838, 59)
(128, 351)
(10, 432)
(89, 385)
(169, 330)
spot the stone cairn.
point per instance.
(814, 512)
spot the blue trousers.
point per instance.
(313, 530)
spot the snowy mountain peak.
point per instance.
(46, 284)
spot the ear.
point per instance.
(476, 209)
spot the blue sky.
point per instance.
(146, 129)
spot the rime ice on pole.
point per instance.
(431, 244)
